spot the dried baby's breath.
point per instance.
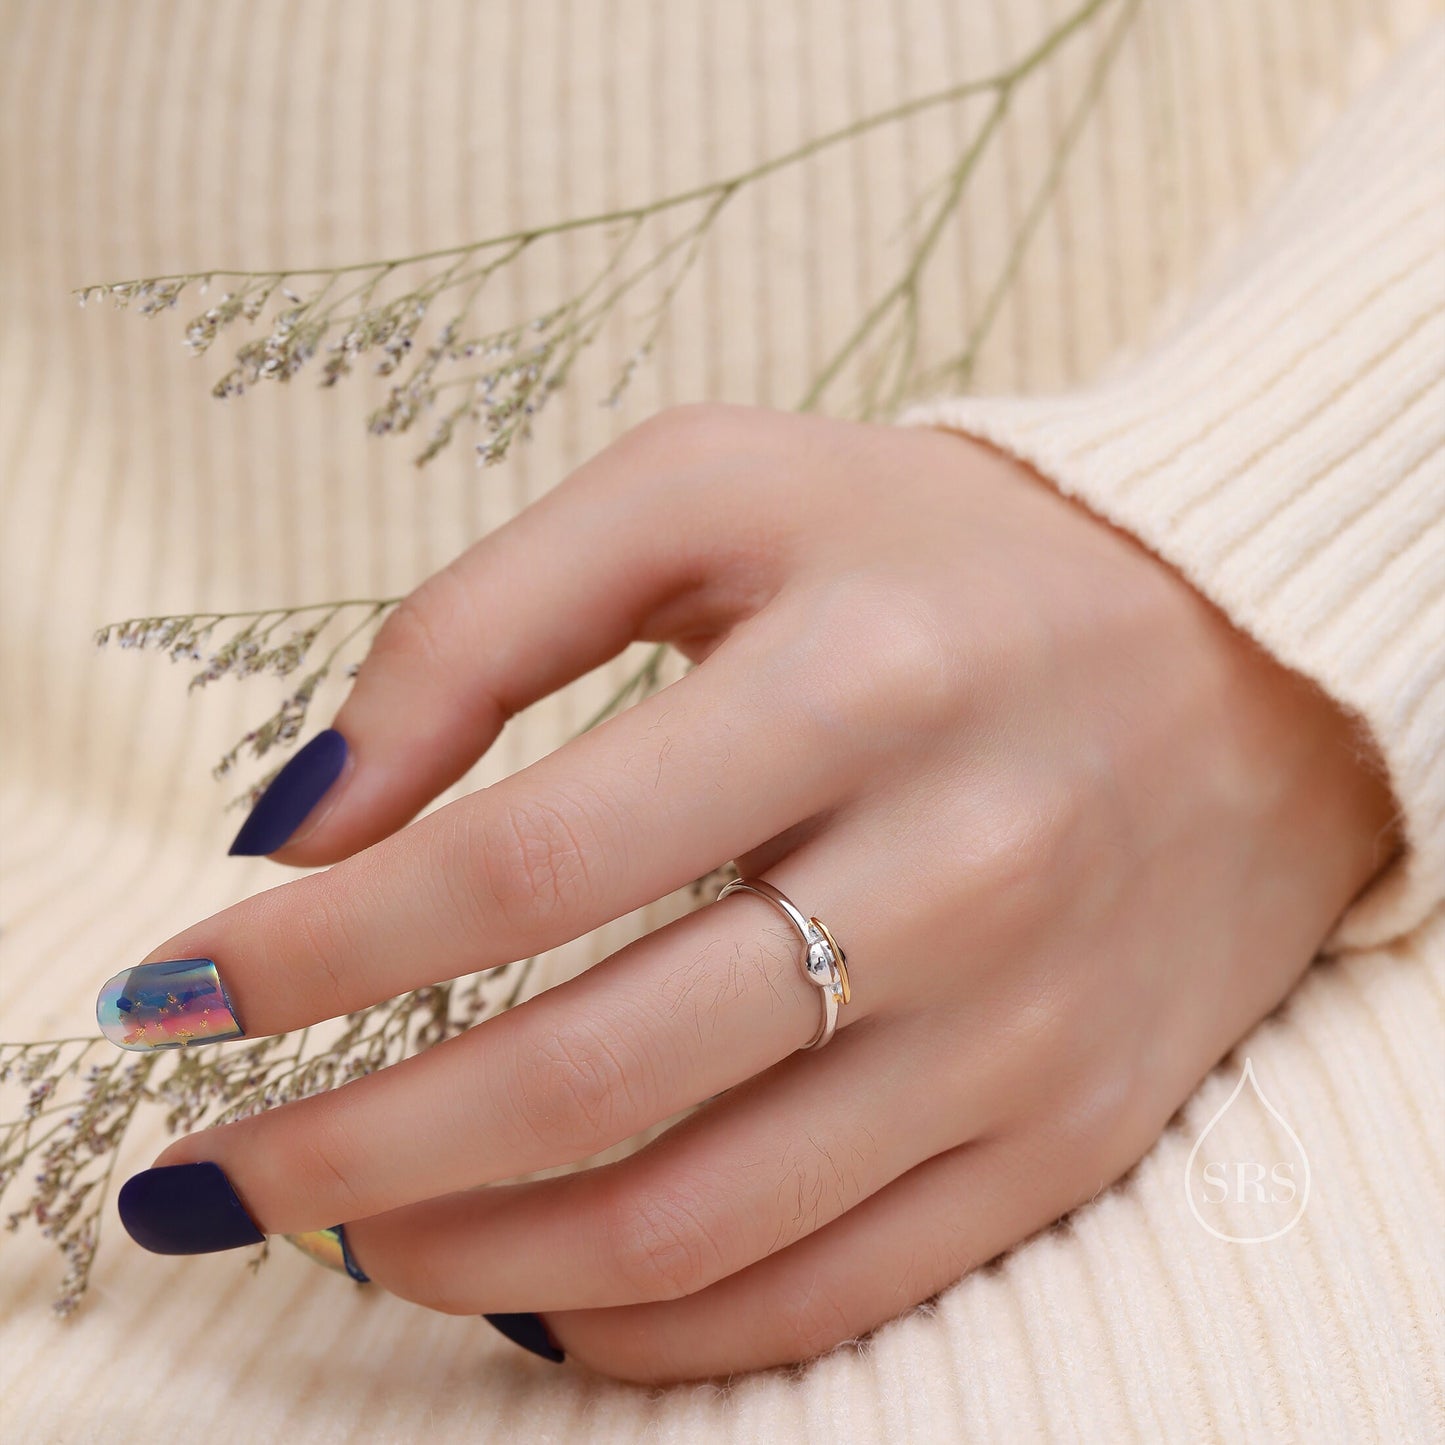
(275, 642)
(417, 321)
(64, 1135)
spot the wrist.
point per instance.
(1333, 810)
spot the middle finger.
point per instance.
(714, 765)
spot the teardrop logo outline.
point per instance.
(1247, 1077)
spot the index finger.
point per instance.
(710, 767)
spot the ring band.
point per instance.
(824, 962)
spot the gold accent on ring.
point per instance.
(838, 955)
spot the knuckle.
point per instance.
(813, 1320)
(692, 429)
(326, 1164)
(662, 1240)
(576, 1087)
(1016, 855)
(905, 673)
(1055, 848)
(452, 857)
(1033, 1040)
(322, 931)
(819, 1184)
(1075, 1141)
(535, 858)
(1109, 1114)
(423, 644)
(429, 1278)
(424, 626)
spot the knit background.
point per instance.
(156, 135)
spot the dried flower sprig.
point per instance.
(958, 369)
(379, 309)
(520, 366)
(253, 647)
(72, 1157)
(890, 373)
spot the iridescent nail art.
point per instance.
(166, 1006)
(329, 1247)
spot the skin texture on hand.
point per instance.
(1075, 832)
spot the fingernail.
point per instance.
(329, 1247)
(166, 1006)
(529, 1332)
(185, 1209)
(293, 793)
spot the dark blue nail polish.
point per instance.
(529, 1332)
(185, 1209)
(293, 793)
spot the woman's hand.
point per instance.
(1075, 833)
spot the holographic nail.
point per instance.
(329, 1247)
(166, 1006)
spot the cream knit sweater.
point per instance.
(1227, 335)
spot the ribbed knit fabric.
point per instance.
(1284, 447)
(1270, 422)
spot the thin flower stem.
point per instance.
(523, 974)
(506, 397)
(61, 1107)
(647, 671)
(144, 1068)
(27, 1143)
(377, 609)
(259, 612)
(960, 366)
(90, 1040)
(1002, 80)
(428, 291)
(604, 307)
(860, 333)
(271, 1082)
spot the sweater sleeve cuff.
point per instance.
(1284, 449)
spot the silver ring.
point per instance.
(824, 962)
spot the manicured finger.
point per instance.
(623, 549)
(670, 1020)
(886, 1255)
(716, 764)
(771, 1160)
